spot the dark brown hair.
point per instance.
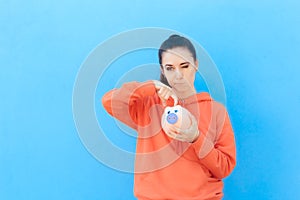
(172, 42)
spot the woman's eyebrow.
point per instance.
(185, 63)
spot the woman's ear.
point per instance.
(162, 70)
(196, 65)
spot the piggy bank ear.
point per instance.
(167, 110)
(177, 109)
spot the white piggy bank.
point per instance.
(176, 116)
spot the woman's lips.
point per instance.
(176, 83)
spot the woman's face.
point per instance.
(179, 67)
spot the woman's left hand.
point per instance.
(189, 135)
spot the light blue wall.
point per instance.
(255, 45)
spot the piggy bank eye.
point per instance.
(176, 111)
(168, 112)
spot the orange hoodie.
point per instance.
(166, 168)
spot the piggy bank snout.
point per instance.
(172, 118)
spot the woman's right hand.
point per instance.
(164, 92)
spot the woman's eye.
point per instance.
(185, 66)
(169, 68)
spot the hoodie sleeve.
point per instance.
(218, 153)
(123, 103)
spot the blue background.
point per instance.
(255, 45)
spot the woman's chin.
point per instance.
(181, 87)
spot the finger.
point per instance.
(163, 100)
(177, 136)
(174, 129)
(164, 92)
(157, 84)
(180, 137)
(166, 96)
(171, 134)
(159, 91)
(175, 98)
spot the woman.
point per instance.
(178, 163)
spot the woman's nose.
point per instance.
(179, 74)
